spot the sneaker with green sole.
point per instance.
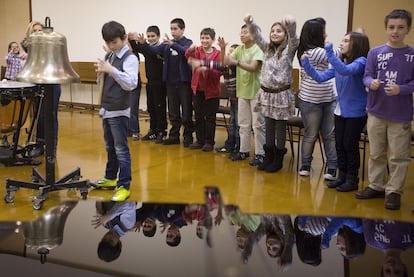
(121, 194)
(105, 183)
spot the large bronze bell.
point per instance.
(46, 232)
(47, 59)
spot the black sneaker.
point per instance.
(160, 138)
(330, 174)
(136, 136)
(187, 141)
(305, 170)
(223, 149)
(171, 141)
(195, 145)
(258, 159)
(207, 147)
(38, 151)
(238, 156)
(149, 136)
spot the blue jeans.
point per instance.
(116, 145)
(233, 138)
(318, 118)
(134, 104)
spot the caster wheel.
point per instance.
(37, 204)
(9, 198)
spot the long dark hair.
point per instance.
(358, 46)
(311, 36)
(354, 242)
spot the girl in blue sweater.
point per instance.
(350, 111)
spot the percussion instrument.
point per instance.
(11, 106)
(16, 99)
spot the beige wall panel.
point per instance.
(14, 17)
(370, 15)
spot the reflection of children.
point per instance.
(171, 219)
(145, 219)
(279, 238)
(389, 75)
(206, 88)
(250, 232)
(119, 218)
(350, 238)
(308, 245)
(14, 61)
(392, 238)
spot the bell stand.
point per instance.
(48, 183)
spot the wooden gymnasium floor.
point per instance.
(177, 174)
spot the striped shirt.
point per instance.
(315, 225)
(310, 90)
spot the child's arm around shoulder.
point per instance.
(354, 68)
(313, 73)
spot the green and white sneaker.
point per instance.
(121, 194)
(105, 183)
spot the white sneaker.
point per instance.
(330, 174)
(304, 170)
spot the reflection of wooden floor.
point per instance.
(176, 174)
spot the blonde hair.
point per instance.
(29, 31)
(30, 27)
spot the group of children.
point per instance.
(191, 75)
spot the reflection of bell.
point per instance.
(46, 232)
(47, 59)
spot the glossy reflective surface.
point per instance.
(203, 239)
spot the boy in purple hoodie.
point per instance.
(389, 76)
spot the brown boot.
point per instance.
(393, 201)
(369, 193)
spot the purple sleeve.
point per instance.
(369, 73)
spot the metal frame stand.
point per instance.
(48, 183)
(14, 154)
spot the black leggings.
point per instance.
(277, 127)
